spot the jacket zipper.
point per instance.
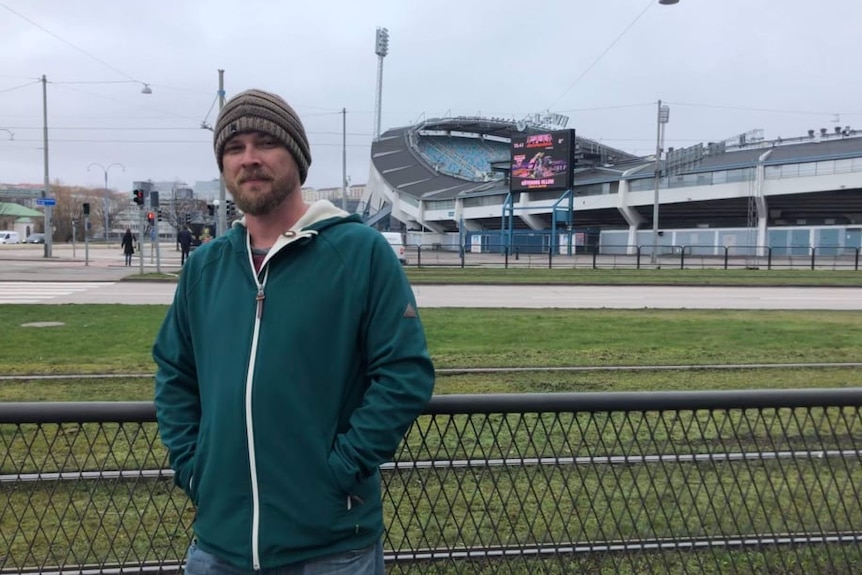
(249, 383)
(252, 461)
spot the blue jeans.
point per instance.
(367, 561)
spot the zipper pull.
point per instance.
(259, 299)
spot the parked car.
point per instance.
(10, 238)
(35, 239)
(397, 243)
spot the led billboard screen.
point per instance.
(542, 161)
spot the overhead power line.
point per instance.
(70, 44)
(602, 55)
(19, 87)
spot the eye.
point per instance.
(232, 148)
(268, 142)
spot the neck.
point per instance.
(266, 229)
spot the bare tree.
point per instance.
(182, 209)
(70, 208)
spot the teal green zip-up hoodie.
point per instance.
(279, 394)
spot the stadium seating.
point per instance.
(468, 158)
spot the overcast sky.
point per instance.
(723, 66)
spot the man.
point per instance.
(290, 365)
(185, 240)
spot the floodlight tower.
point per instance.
(381, 48)
(662, 118)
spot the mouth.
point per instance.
(254, 179)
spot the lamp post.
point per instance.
(49, 211)
(661, 120)
(663, 117)
(105, 197)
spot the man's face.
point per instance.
(259, 172)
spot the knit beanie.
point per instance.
(259, 111)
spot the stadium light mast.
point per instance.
(662, 119)
(381, 48)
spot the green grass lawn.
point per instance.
(118, 338)
(494, 505)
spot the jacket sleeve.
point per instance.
(400, 373)
(177, 400)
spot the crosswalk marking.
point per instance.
(35, 292)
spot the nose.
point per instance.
(250, 156)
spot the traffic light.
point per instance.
(86, 208)
(138, 197)
(159, 213)
(151, 218)
(188, 218)
(210, 210)
(231, 209)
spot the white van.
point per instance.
(10, 238)
(394, 239)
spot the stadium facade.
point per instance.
(447, 182)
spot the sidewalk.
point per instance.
(99, 263)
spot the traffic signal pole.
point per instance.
(158, 252)
(141, 239)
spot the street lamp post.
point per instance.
(49, 211)
(105, 197)
(661, 120)
(663, 117)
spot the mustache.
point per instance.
(254, 175)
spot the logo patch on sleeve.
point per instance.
(410, 311)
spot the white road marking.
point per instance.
(35, 292)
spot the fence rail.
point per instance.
(660, 482)
(637, 257)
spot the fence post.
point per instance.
(769, 258)
(682, 257)
(595, 254)
(419, 256)
(463, 251)
(856, 266)
(506, 257)
(550, 256)
(638, 258)
(813, 251)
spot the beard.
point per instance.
(259, 202)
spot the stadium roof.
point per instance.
(397, 158)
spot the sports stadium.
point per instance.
(459, 181)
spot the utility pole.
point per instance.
(221, 225)
(49, 210)
(344, 159)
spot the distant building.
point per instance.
(209, 190)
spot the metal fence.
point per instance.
(658, 482)
(639, 257)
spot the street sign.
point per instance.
(46, 202)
